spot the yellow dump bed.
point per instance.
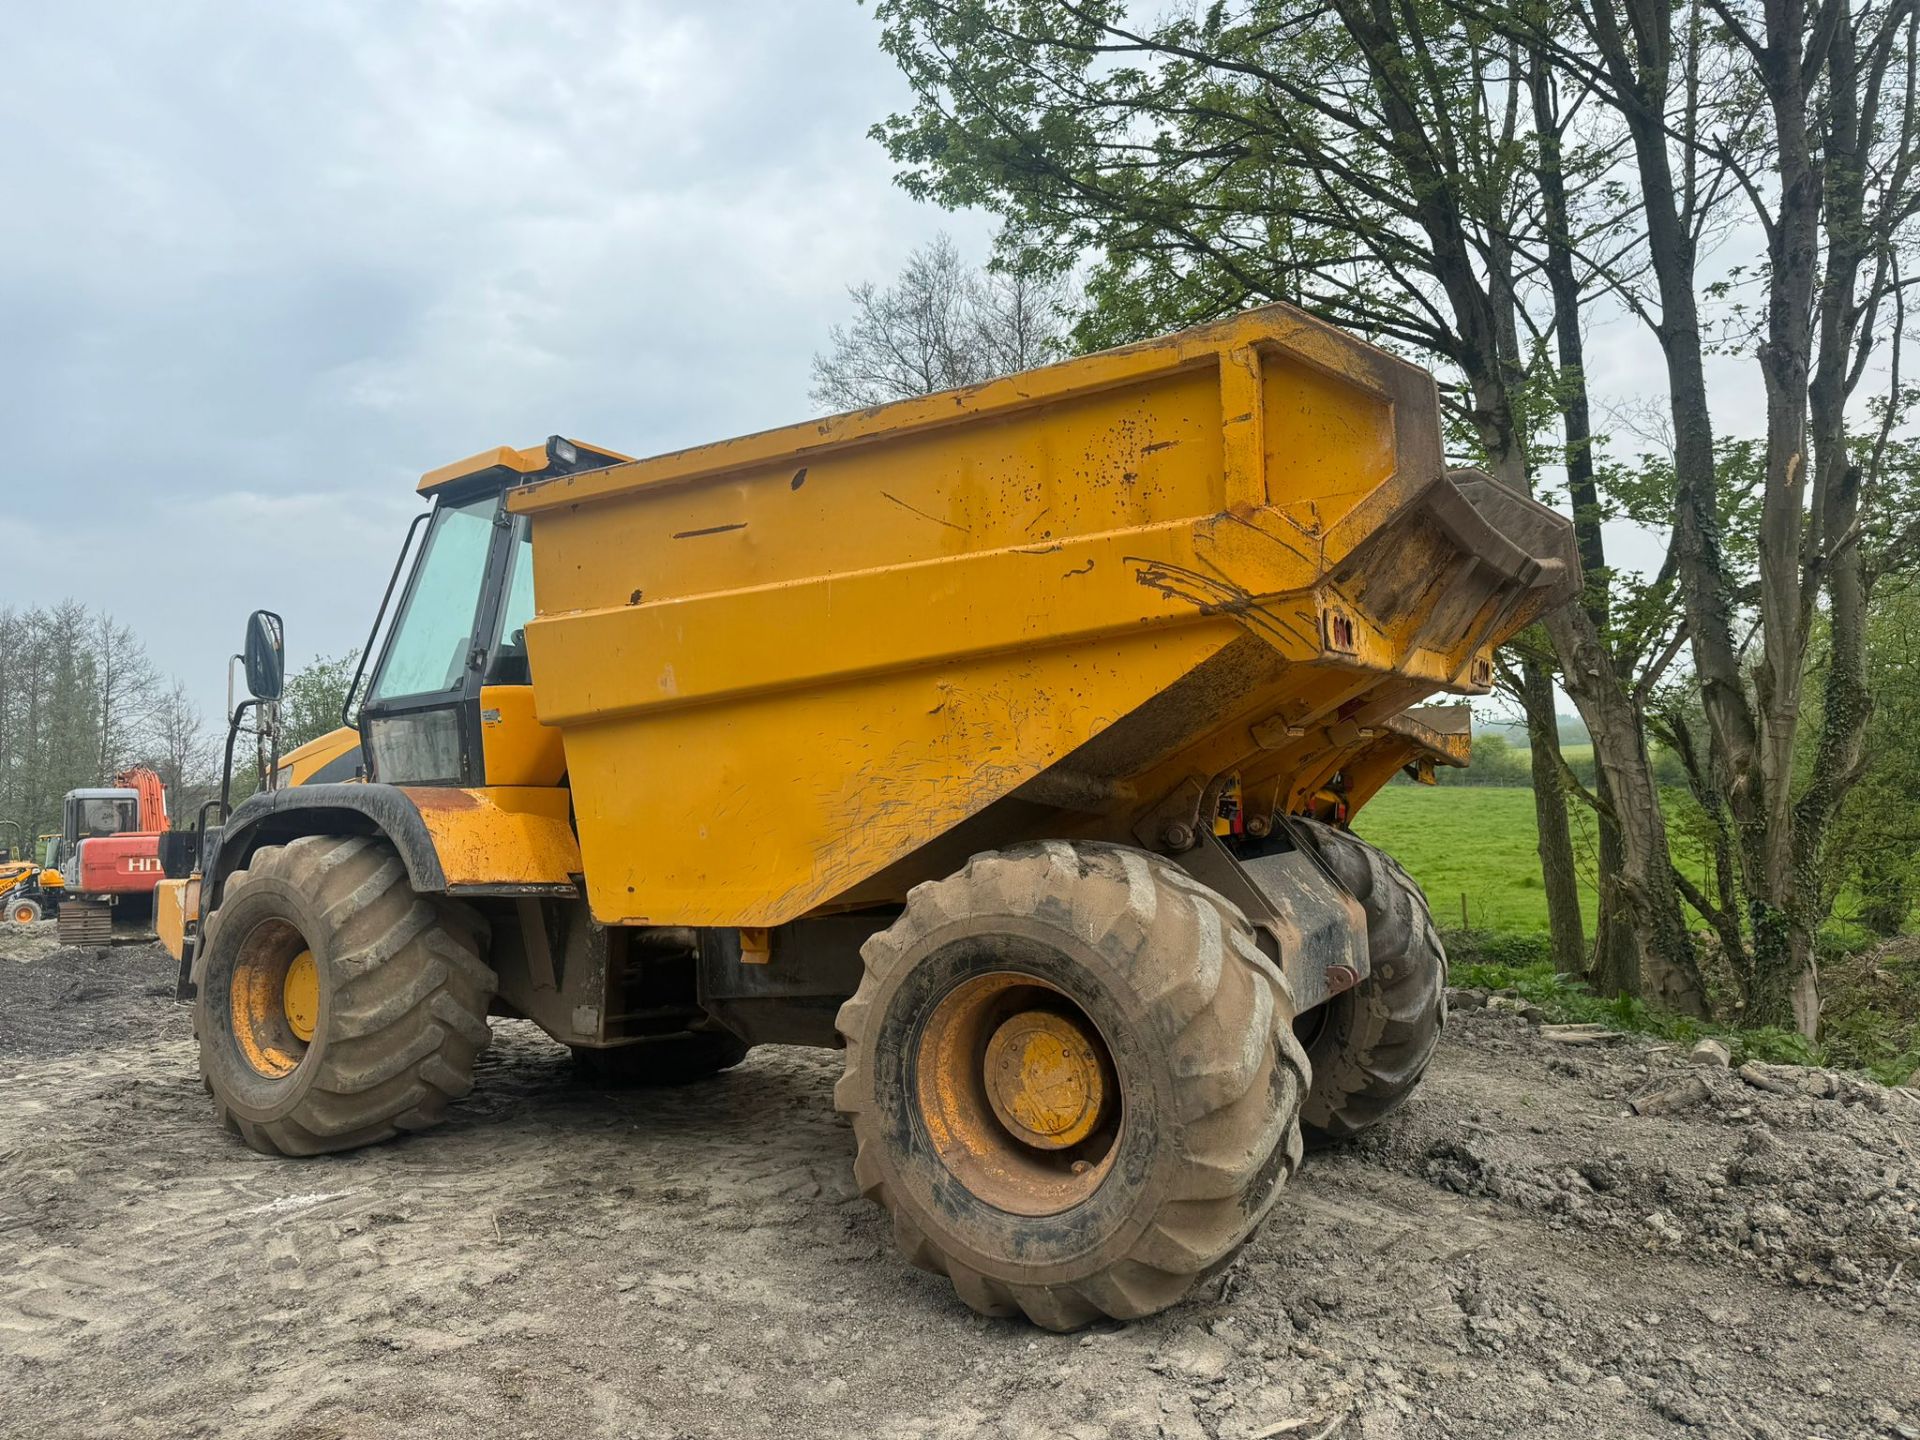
(811, 667)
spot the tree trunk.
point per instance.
(1664, 953)
(1550, 815)
(1616, 966)
(1831, 553)
(1624, 946)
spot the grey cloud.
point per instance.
(262, 265)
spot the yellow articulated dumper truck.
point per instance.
(1001, 739)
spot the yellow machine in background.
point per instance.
(31, 888)
(17, 877)
(331, 759)
(1004, 738)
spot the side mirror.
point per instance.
(264, 655)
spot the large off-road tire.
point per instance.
(664, 1060)
(23, 910)
(1370, 1045)
(391, 996)
(1073, 1081)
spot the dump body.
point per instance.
(812, 667)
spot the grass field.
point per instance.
(1480, 843)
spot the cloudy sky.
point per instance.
(261, 265)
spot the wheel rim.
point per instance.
(23, 915)
(1018, 1093)
(275, 991)
(300, 995)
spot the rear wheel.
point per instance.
(1073, 1082)
(23, 911)
(1371, 1044)
(337, 1008)
(664, 1060)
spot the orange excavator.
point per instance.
(102, 868)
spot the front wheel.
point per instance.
(336, 1007)
(23, 911)
(1073, 1081)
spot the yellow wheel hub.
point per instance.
(1043, 1079)
(23, 915)
(300, 995)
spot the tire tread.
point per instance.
(408, 1016)
(1202, 979)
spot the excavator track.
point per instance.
(84, 922)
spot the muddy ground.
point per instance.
(1516, 1253)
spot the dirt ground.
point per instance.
(1516, 1253)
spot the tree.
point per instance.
(1460, 177)
(76, 696)
(126, 684)
(50, 711)
(310, 705)
(1818, 134)
(1371, 162)
(1876, 842)
(940, 325)
(181, 752)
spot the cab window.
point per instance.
(509, 665)
(431, 639)
(107, 817)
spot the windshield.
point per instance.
(108, 817)
(427, 651)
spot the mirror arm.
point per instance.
(400, 560)
(226, 766)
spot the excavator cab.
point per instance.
(91, 814)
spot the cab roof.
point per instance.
(503, 465)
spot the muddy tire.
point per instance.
(1147, 1140)
(23, 911)
(665, 1060)
(1371, 1045)
(325, 936)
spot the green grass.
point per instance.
(1477, 843)
(1484, 961)
(1481, 844)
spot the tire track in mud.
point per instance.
(563, 1261)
